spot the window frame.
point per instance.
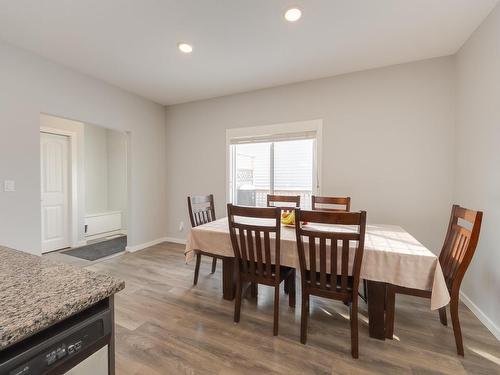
(278, 132)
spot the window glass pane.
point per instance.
(252, 170)
(253, 174)
(293, 169)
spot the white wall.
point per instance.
(387, 142)
(478, 161)
(117, 173)
(96, 169)
(105, 170)
(31, 85)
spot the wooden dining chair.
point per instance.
(340, 203)
(256, 262)
(293, 200)
(319, 258)
(201, 211)
(456, 254)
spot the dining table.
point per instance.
(391, 256)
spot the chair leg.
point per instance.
(292, 291)
(456, 325)
(197, 268)
(214, 264)
(304, 316)
(276, 309)
(237, 302)
(442, 316)
(390, 306)
(354, 328)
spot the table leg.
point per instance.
(228, 278)
(254, 290)
(376, 309)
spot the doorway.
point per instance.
(84, 188)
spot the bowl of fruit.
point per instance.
(288, 218)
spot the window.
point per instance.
(283, 164)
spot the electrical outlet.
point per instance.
(181, 226)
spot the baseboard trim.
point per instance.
(492, 327)
(181, 241)
(145, 245)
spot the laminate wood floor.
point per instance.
(167, 326)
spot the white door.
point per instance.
(54, 177)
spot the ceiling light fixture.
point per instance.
(184, 47)
(293, 14)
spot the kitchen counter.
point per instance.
(36, 293)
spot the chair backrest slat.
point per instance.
(251, 255)
(292, 200)
(243, 245)
(323, 245)
(333, 257)
(251, 240)
(459, 245)
(201, 209)
(345, 265)
(312, 259)
(322, 262)
(258, 250)
(342, 203)
(267, 245)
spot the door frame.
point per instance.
(73, 181)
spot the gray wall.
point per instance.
(117, 173)
(31, 85)
(96, 169)
(478, 161)
(387, 142)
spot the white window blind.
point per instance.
(262, 138)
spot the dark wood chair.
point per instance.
(456, 254)
(201, 211)
(256, 263)
(340, 203)
(293, 200)
(319, 271)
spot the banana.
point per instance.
(288, 217)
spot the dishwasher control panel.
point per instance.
(68, 345)
(62, 351)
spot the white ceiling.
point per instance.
(239, 45)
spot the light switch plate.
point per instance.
(9, 185)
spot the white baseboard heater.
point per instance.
(103, 223)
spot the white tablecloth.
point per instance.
(391, 255)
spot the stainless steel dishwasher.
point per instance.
(76, 345)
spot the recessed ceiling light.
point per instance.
(293, 14)
(184, 47)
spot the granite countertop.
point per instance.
(36, 293)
